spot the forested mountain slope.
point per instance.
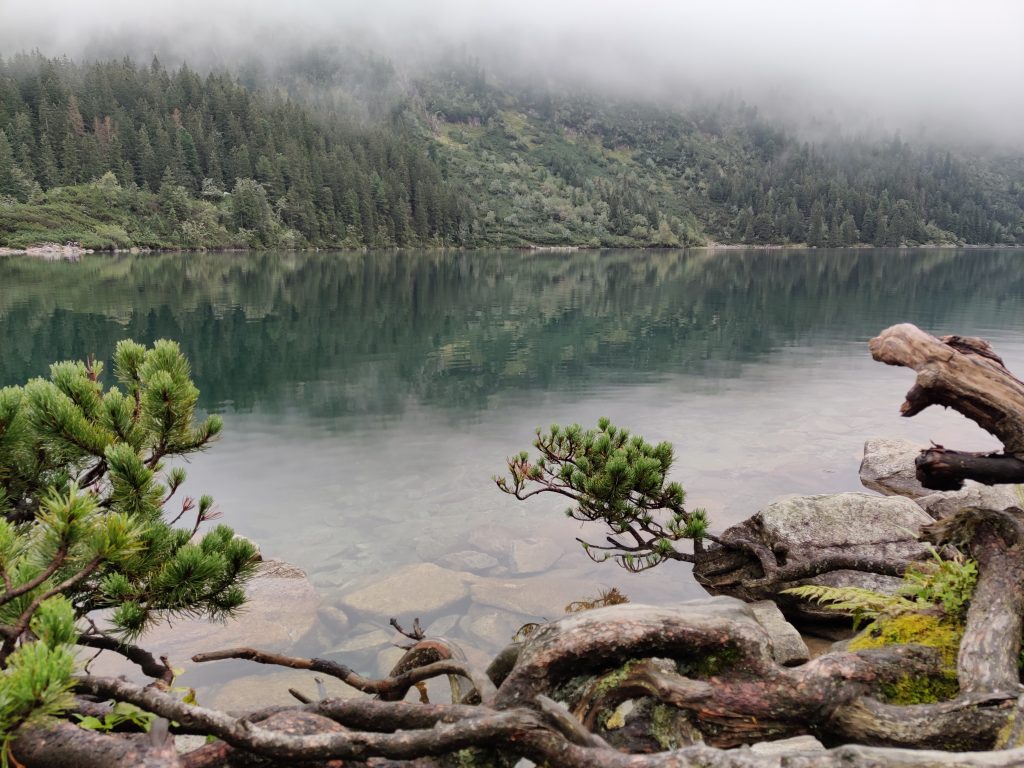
(329, 149)
(553, 168)
(200, 160)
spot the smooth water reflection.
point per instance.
(369, 398)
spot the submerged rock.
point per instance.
(270, 688)
(334, 620)
(533, 554)
(416, 590)
(364, 641)
(492, 627)
(442, 624)
(492, 539)
(468, 560)
(543, 596)
(387, 658)
(281, 612)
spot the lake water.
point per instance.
(369, 398)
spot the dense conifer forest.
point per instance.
(335, 151)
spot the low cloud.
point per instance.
(936, 68)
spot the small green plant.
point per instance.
(121, 713)
(617, 479)
(949, 584)
(945, 586)
(861, 604)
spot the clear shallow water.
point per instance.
(369, 398)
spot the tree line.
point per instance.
(268, 168)
(330, 149)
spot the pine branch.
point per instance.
(11, 634)
(16, 592)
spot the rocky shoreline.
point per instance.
(50, 251)
(55, 251)
(478, 597)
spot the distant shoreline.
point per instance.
(71, 253)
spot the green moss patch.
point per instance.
(917, 629)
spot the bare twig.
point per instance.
(388, 686)
(150, 666)
(417, 632)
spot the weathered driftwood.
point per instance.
(400, 728)
(427, 659)
(965, 374)
(846, 539)
(942, 469)
(67, 746)
(990, 649)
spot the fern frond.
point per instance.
(859, 602)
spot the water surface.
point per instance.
(369, 398)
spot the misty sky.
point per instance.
(932, 64)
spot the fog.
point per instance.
(934, 68)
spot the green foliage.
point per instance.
(929, 609)
(121, 714)
(113, 155)
(617, 479)
(36, 683)
(945, 586)
(550, 167)
(361, 155)
(99, 219)
(85, 492)
(860, 603)
(940, 632)
(949, 584)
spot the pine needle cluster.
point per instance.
(86, 521)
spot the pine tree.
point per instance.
(188, 159)
(85, 492)
(616, 478)
(867, 231)
(147, 169)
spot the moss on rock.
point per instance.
(936, 632)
